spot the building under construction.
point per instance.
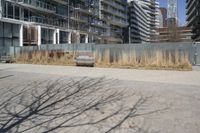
(37, 22)
(115, 15)
(175, 34)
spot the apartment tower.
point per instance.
(36, 22)
(114, 14)
(85, 20)
(193, 17)
(143, 21)
(139, 24)
(162, 17)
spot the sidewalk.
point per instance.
(158, 76)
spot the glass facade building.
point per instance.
(172, 9)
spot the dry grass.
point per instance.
(46, 58)
(148, 60)
(154, 60)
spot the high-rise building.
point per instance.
(172, 32)
(139, 24)
(36, 22)
(162, 17)
(172, 9)
(85, 19)
(172, 15)
(193, 17)
(143, 20)
(114, 13)
(151, 7)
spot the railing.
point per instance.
(39, 4)
(115, 20)
(42, 20)
(114, 4)
(78, 17)
(115, 12)
(86, 9)
(99, 23)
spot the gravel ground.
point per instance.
(180, 91)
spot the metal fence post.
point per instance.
(194, 47)
(14, 52)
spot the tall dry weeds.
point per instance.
(158, 59)
(46, 58)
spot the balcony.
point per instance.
(42, 20)
(86, 10)
(115, 21)
(114, 12)
(38, 5)
(78, 18)
(96, 32)
(64, 2)
(115, 5)
(99, 24)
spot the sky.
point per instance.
(181, 10)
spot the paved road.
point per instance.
(178, 90)
(172, 77)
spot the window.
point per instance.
(9, 35)
(16, 12)
(63, 37)
(10, 10)
(26, 15)
(47, 36)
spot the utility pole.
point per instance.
(129, 35)
(68, 14)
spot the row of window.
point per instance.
(14, 12)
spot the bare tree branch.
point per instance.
(89, 104)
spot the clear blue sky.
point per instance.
(181, 9)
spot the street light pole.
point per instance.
(68, 14)
(129, 35)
